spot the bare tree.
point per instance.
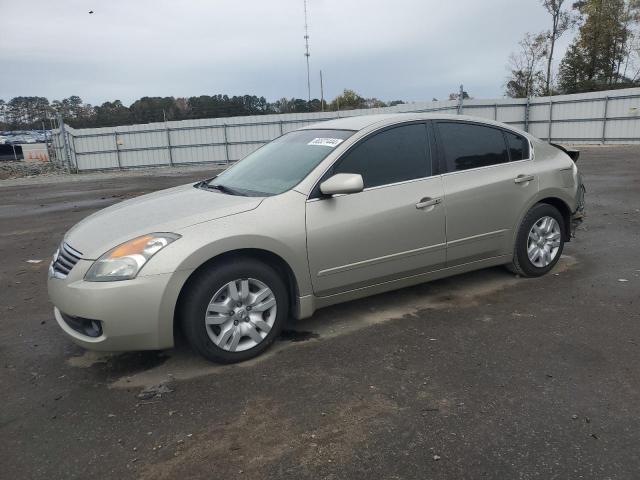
(526, 77)
(630, 48)
(561, 21)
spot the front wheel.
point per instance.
(234, 310)
(539, 242)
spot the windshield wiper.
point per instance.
(220, 188)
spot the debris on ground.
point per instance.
(155, 391)
(34, 260)
(28, 169)
(623, 280)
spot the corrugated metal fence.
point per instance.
(600, 117)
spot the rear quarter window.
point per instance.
(467, 145)
(518, 146)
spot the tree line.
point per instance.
(604, 53)
(25, 113)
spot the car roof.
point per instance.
(361, 122)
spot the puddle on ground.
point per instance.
(297, 335)
(461, 291)
(114, 365)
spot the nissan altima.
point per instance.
(325, 214)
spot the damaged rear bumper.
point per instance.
(577, 217)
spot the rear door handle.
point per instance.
(428, 202)
(523, 178)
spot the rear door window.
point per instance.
(394, 155)
(467, 145)
(518, 146)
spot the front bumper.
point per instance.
(133, 314)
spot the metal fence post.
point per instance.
(550, 119)
(75, 158)
(115, 138)
(65, 141)
(495, 111)
(604, 119)
(460, 100)
(526, 116)
(169, 144)
(53, 156)
(281, 129)
(226, 143)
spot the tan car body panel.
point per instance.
(337, 249)
(348, 236)
(109, 227)
(476, 228)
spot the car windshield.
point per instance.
(279, 165)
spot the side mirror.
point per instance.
(342, 183)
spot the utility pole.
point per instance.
(307, 54)
(321, 93)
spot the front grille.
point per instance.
(65, 260)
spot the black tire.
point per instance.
(200, 290)
(521, 264)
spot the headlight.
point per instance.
(125, 261)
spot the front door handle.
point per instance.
(523, 178)
(428, 202)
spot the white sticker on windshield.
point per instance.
(326, 142)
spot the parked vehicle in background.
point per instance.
(26, 136)
(325, 214)
(9, 152)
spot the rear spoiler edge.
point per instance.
(572, 152)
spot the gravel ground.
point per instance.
(13, 170)
(480, 376)
(21, 173)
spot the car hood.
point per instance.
(163, 211)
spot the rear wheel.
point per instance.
(540, 241)
(234, 310)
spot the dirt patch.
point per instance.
(248, 444)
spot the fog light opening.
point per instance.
(85, 326)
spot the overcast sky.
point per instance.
(390, 49)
